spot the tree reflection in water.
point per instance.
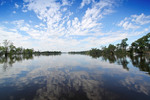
(140, 61)
(8, 61)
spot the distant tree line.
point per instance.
(77, 52)
(37, 53)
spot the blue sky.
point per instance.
(68, 25)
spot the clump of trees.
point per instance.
(142, 45)
(120, 48)
(95, 53)
(9, 48)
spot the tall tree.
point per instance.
(142, 44)
(6, 44)
(124, 43)
(111, 48)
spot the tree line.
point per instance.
(8, 48)
(140, 46)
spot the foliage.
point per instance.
(47, 53)
(78, 52)
(9, 48)
(141, 45)
(124, 44)
(94, 52)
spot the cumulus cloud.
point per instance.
(134, 21)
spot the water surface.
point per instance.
(74, 77)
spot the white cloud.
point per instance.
(127, 25)
(14, 12)
(14, 36)
(64, 9)
(24, 28)
(141, 19)
(24, 10)
(66, 2)
(18, 23)
(85, 2)
(49, 12)
(91, 20)
(52, 13)
(59, 28)
(134, 21)
(16, 5)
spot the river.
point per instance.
(74, 77)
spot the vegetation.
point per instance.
(78, 52)
(95, 52)
(38, 53)
(140, 46)
(8, 48)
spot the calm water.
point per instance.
(74, 77)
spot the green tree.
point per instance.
(94, 52)
(19, 50)
(6, 44)
(141, 45)
(12, 48)
(111, 48)
(124, 44)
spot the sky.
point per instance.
(72, 25)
